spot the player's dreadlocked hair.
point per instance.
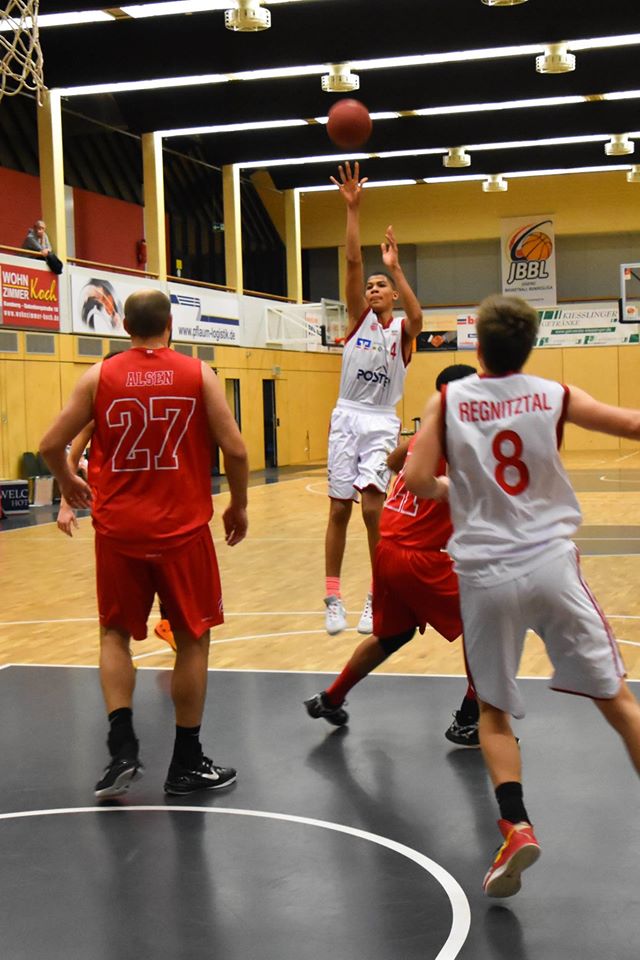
(507, 328)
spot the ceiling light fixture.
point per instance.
(456, 157)
(556, 59)
(502, 3)
(248, 16)
(633, 175)
(619, 146)
(495, 183)
(340, 79)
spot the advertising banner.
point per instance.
(528, 259)
(204, 316)
(467, 338)
(437, 340)
(29, 297)
(579, 325)
(590, 325)
(97, 300)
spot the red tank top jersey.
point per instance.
(412, 521)
(151, 451)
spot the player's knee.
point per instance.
(391, 644)
(339, 512)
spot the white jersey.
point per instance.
(373, 367)
(511, 501)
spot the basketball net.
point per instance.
(21, 63)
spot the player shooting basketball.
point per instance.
(364, 424)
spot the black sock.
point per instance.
(469, 711)
(187, 749)
(509, 797)
(122, 739)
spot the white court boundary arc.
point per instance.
(461, 911)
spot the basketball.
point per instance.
(349, 124)
(535, 246)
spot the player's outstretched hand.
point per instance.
(390, 249)
(77, 493)
(235, 524)
(350, 184)
(66, 519)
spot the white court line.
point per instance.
(461, 912)
(627, 456)
(605, 479)
(258, 613)
(253, 636)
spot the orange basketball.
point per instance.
(535, 246)
(349, 124)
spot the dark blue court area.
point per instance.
(363, 843)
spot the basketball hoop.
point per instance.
(21, 63)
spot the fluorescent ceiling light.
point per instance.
(382, 115)
(601, 43)
(427, 151)
(233, 127)
(520, 174)
(322, 188)
(131, 86)
(275, 73)
(622, 95)
(177, 7)
(57, 20)
(287, 162)
(501, 105)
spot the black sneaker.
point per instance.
(463, 734)
(318, 707)
(117, 777)
(204, 775)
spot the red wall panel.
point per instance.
(106, 230)
(19, 206)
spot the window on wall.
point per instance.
(232, 391)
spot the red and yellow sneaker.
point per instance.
(519, 851)
(163, 630)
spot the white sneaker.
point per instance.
(335, 618)
(366, 620)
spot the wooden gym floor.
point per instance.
(370, 841)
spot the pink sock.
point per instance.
(332, 586)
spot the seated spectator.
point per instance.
(37, 238)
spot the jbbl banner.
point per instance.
(528, 259)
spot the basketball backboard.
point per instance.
(630, 293)
(334, 323)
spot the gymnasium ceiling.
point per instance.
(321, 32)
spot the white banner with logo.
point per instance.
(204, 316)
(97, 300)
(573, 325)
(528, 259)
(585, 325)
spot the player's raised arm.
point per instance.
(225, 433)
(75, 415)
(420, 468)
(412, 308)
(586, 412)
(350, 186)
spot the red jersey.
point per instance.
(412, 521)
(151, 451)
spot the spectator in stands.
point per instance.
(37, 239)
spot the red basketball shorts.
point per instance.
(185, 578)
(414, 588)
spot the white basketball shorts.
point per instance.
(554, 601)
(359, 443)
